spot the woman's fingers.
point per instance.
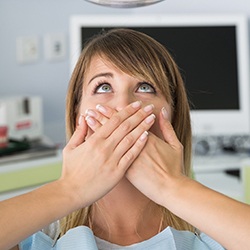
(105, 110)
(132, 123)
(130, 146)
(168, 130)
(123, 135)
(124, 127)
(93, 122)
(97, 118)
(97, 115)
(134, 151)
(79, 135)
(134, 141)
(120, 119)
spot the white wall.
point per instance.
(198, 6)
(50, 79)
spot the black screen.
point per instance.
(207, 58)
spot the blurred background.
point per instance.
(35, 61)
(47, 75)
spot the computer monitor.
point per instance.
(213, 56)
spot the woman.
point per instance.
(112, 58)
(130, 186)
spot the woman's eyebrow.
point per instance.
(107, 74)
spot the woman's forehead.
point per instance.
(99, 63)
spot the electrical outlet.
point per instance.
(55, 46)
(27, 49)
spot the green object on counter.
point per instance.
(246, 182)
(28, 177)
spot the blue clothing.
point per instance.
(82, 238)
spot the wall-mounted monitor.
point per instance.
(213, 56)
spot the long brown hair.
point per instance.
(138, 55)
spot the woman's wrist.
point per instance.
(69, 193)
(175, 189)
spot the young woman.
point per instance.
(125, 182)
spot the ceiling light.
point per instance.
(124, 3)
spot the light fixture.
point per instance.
(124, 3)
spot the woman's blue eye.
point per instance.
(146, 88)
(103, 88)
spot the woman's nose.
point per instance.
(123, 101)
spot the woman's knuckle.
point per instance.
(141, 114)
(115, 120)
(125, 127)
(129, 156)
(129, 139)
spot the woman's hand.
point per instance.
(160, 162)
(92, 167)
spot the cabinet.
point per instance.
(23, 176)
(226, 173)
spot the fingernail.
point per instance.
(144, 135)
(101, 109)
(90, 112)
(90, 121)
(149, 108)
(150, 118)
(136, 104)
(80, 119)
(164, 113)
